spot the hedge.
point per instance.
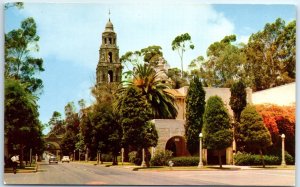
(247, 159)
(185, 161)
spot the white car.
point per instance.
(65, 159)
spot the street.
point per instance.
(85, 174)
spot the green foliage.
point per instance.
(246, 159)
(181, 43)
(22, 127)
(271, 55)
(152, 54)
(18, 5)
(224, 64)
(238, 99)
(195, 106)
(135, 113)
(132, 156)
(185, 161)
(176, 80)
(146, 81)
(252, 129)
(19, 63)
(161, 158)
(217, 133)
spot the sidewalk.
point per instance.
(27, 169)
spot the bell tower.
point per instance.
(109, 69)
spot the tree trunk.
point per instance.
(220, 158)
(115, 160)
(262, 158)
(100, 157)
(22, 156)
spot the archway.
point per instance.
(110, 76)
(177, 145)
(110, 59)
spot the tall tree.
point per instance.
(182, 43)
(217, 133)
(135, 114)
(238, 99)
(271, 55)
(224, 65)
(22, 127)
(176, 80)
(195, 105)
(152, 54)
(19, 63)
(253, 131)
(70, 138)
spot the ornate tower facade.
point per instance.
(109, 69)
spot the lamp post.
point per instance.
(74, 156)
(79, 154)
(283, 152)
(200, 165)
(122, 155)
(143, 162)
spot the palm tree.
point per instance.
(145, 78)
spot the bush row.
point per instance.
(247, 159)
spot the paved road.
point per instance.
(74, 173)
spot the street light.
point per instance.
(200, 165)
(74, 156)
(283, 152)
(143, 162)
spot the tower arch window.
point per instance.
(110, 57)
(110, 40)
(110, 76)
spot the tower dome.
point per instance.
(109, 27)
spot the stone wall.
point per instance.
(280, 95)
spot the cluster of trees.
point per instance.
(255, 129)
(267, 60)
(22, 130)
(120, 117)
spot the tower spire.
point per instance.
(109, 14)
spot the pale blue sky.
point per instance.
(70, 36)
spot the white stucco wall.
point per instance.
(281, 95)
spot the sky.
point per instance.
(70, 36)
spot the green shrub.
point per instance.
(106, 157)
(132, 156)
(247, 159)
(185, 161)
(161, 158)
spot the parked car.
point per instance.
(65, 159)
(53, 159)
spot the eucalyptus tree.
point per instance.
(271, 55)
(182, 43)
(224, 64)
(19, 61)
